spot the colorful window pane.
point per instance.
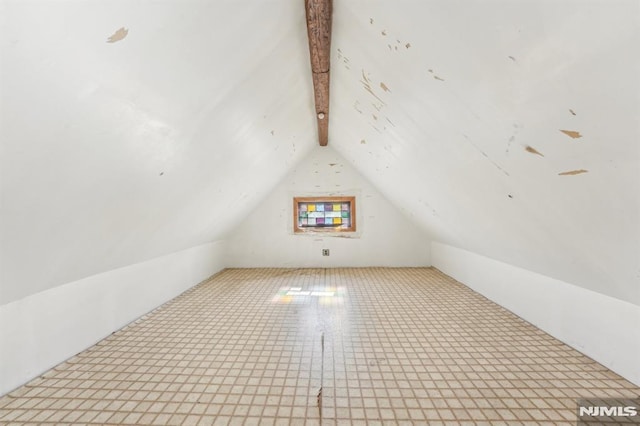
(332, 214)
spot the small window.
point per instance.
(324, 214)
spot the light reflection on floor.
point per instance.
(300, 296)
(407, 346)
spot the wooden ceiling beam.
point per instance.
(319, 32)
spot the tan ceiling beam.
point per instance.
(319, 32)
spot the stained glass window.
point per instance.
(335, 214)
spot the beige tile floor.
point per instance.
(253, 347)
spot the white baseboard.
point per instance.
(604, 328)
(44, 329)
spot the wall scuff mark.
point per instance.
(485, 155)
(118, 35)
(367, 86)
(573, 172)
(572, 112)
(572, 133)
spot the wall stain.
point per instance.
(512, 58)
(435, 76)
(572, 133)
(384, 87)
(408, 45)
(383, 32)
(532, 150)
(363, 141)
(511, 139)
(332, 164)
(572, 112)
(371, 21)
(118, 35)
(273, 132)
(573, 172)
(375, 117)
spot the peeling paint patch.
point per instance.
(572, 133)
(573, 172)
(384, 87)
(118, 35)
(572, 112)
(532, 150)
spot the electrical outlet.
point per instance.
(325, 252)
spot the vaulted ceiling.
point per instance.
(134, 129)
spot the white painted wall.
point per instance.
(468, 86)
(44, 329)
(602, 327)
(384, 237)
(116, 153)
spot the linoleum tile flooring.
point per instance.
(352, 346)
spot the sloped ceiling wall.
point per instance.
(455, 110)
(113, 153)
